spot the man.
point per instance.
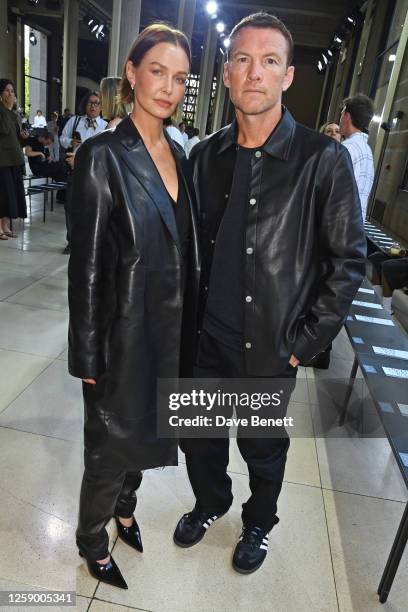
(182, 128)
(39, 120)
(193, 139)
(354, 121)
(36, 149)
(279, 271)
(78, 129)
(63, 120)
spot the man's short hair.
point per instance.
(263, 20)
(44, 133)
(361, 110)
(196, 131)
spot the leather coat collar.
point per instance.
(278, 144)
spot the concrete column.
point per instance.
(220, 94)
(392, 86)
(185, 17)
(362, 49)
(206, 74)
(70, 53)
(20, 62)
(125, 28)
(4, 41)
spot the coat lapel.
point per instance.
(139, 162)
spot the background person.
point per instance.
(355, 119)
(12, 200)
(39, 159)
(39, 120)
(193, 139)
(332, 130)
(76, 131)
(113, 111)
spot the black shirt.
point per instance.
(182, 215)
(224, 316)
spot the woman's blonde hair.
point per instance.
(151, 36)
(112, 107)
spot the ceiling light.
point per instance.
(220, 27)
(226, 42)
(211, 7)
(33, 39)
(325, 59)
(392, 58)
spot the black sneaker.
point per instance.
(192, 526)
(250, 552)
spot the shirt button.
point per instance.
(248, 299)
(249, 250)
(248, 345)
(252, 201)
(258, 154)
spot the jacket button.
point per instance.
(248, 299)
(249, 251)
(258, 154)
(212, 241)
(226, 195)
(248, 345)
(205, 288)
(199, 331)
(252, 201)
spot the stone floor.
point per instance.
(340, 506)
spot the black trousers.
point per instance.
(394, 269)
(102, 497)
(207, 458)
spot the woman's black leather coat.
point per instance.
(304, 242)
(126, 276)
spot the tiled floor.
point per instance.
(340, 505)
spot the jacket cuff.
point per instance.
(83, 366)
(308, 346)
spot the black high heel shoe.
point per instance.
(108, 572)
(130, 535)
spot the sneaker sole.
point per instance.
(183, 545)
(250, 571)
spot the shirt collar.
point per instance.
(358, 135)
(278, 143)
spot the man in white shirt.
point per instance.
(39, 120)
(78, 129)
(354, 121)
(191, 141)
(182, 128)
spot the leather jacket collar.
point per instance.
(279, 142)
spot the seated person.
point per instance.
(38, 157)
(390, 272)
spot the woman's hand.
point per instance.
(89, 381)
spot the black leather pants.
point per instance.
(103, 495)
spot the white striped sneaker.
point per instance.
(192, 527)
(251, 549)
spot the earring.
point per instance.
(132, 86)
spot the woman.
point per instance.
(133, 275)
(332, 130)
(12, 198)
(113, 110)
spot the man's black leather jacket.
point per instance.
(304, 240)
